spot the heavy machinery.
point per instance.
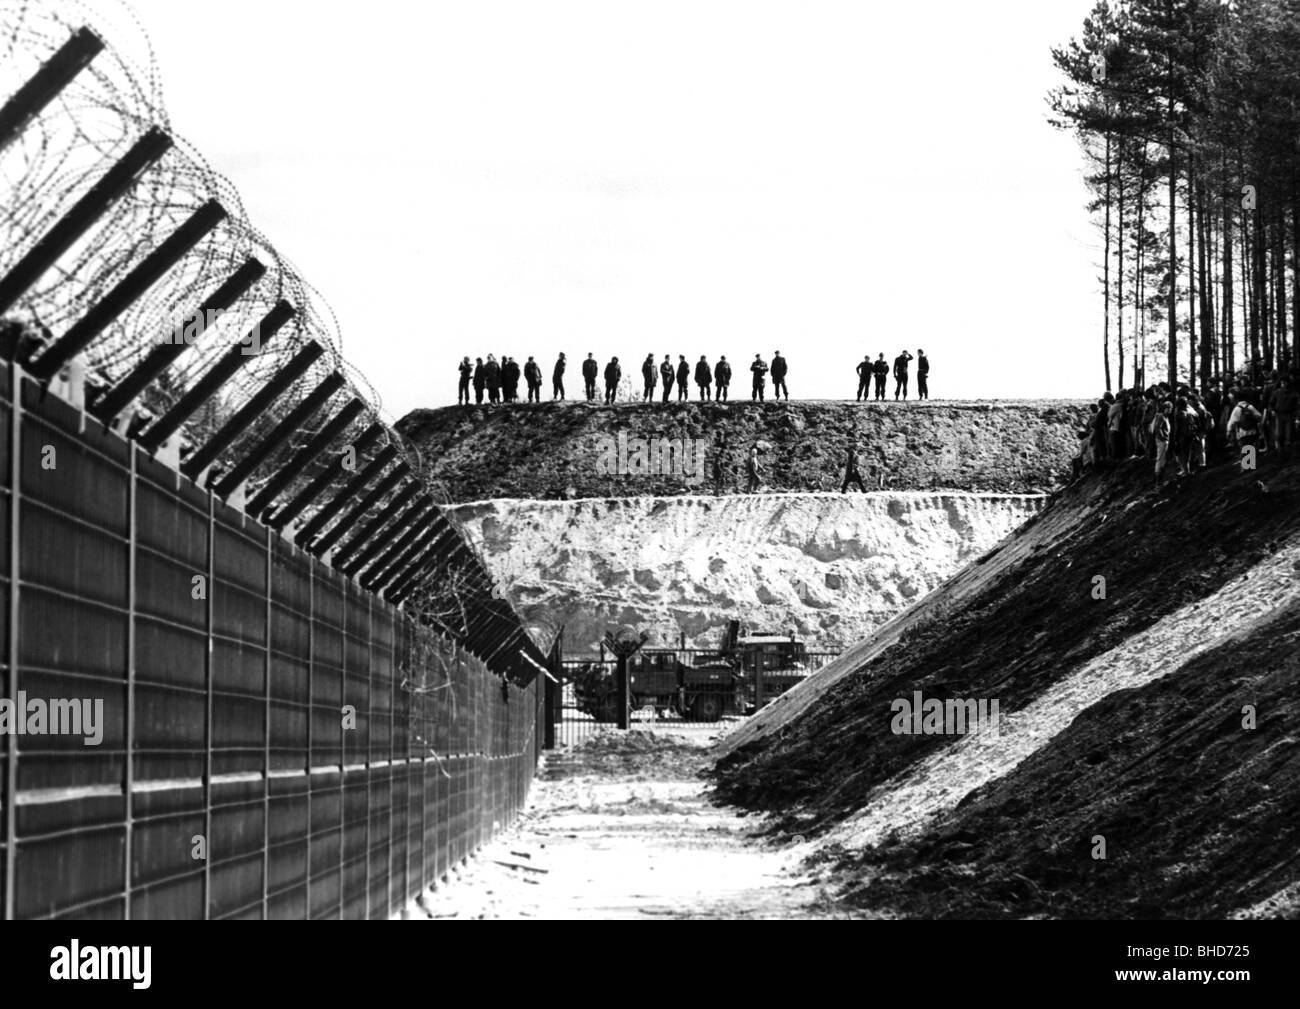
(747, 672)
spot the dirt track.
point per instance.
(622, 827)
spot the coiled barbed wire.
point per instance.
(71, 144)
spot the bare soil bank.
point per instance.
(553, 450)
(1198, 811)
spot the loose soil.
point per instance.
(623, 827)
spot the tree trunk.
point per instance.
(1119, 278)
(1173, 255)
(1105, 326)
(1203, 287)
(1191, 278)
(1229, 365)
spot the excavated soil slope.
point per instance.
(1160, 721)
(553, 450)
(832, 567)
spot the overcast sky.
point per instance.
(826, 179)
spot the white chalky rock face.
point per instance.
(833, 567)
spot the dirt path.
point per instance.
(622, 827)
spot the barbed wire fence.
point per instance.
(127, 260)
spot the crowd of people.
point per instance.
(498, 382)
(1182, 430)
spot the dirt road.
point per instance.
(622, 827)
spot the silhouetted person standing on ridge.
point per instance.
(649, 375)
(590, 369)
(864, 378)
(779, 369)
(851, 474)
(557, 378)
(900, 374)
(881, 370)
(462, 389)
(722, 375)
(704, 378)
(683, 379)
(533, 376)
(612, 375)
(922, 375)
(759, 368)
(669, 376)
(492, 376)
(480, 380)
(510, 379)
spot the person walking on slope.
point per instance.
(683, 379)
(851, 474)
(669, 375)
(722, 375)
(649, 375)
(480, 380)
(590, 369)
(1200, 432)
(881, 370)
(759, 368)
(1243, 425)
(720, 463)
(533, 376)
(1161, 435)
(779, 368)
(704, 378)
(462, 389)
(612, 375)
(754, 470)
(557, 378)
(900, 374)
(922, 375)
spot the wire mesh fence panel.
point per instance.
(270, 739)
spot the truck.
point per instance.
(704, 689)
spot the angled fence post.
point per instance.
(43, 87)
(79, 219)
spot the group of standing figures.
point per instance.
(499, 382)
(879, 370)
(705, 378)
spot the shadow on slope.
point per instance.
(1200, 814)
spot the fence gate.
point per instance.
(689, 691)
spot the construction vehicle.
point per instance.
(705, 688)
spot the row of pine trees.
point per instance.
(1188, 114)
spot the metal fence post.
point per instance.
(207, 722)
(621, 686)
(266, 742)
(133, 477)
(15, 542)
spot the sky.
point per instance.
(825, 179)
